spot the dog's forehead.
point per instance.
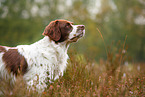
(64, 21)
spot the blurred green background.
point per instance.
(23, 22)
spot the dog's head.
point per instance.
(62, 30)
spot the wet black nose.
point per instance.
(81, 27)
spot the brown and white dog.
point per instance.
(46, 58)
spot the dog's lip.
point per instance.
(78, 36)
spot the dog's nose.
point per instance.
(81, 27)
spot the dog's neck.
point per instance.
(46, 42)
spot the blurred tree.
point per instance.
(23, 21)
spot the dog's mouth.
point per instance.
(78, 36)
(75, 38)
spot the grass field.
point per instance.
(85, 78)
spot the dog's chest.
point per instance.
(42, 61)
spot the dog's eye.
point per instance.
(67, 25)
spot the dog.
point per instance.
(44, 59)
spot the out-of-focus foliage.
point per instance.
(23, 21)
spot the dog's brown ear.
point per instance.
(53, 31)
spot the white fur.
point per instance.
(42, 57)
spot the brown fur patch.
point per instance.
(15, 62)
(2, 49)
(58, 30)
